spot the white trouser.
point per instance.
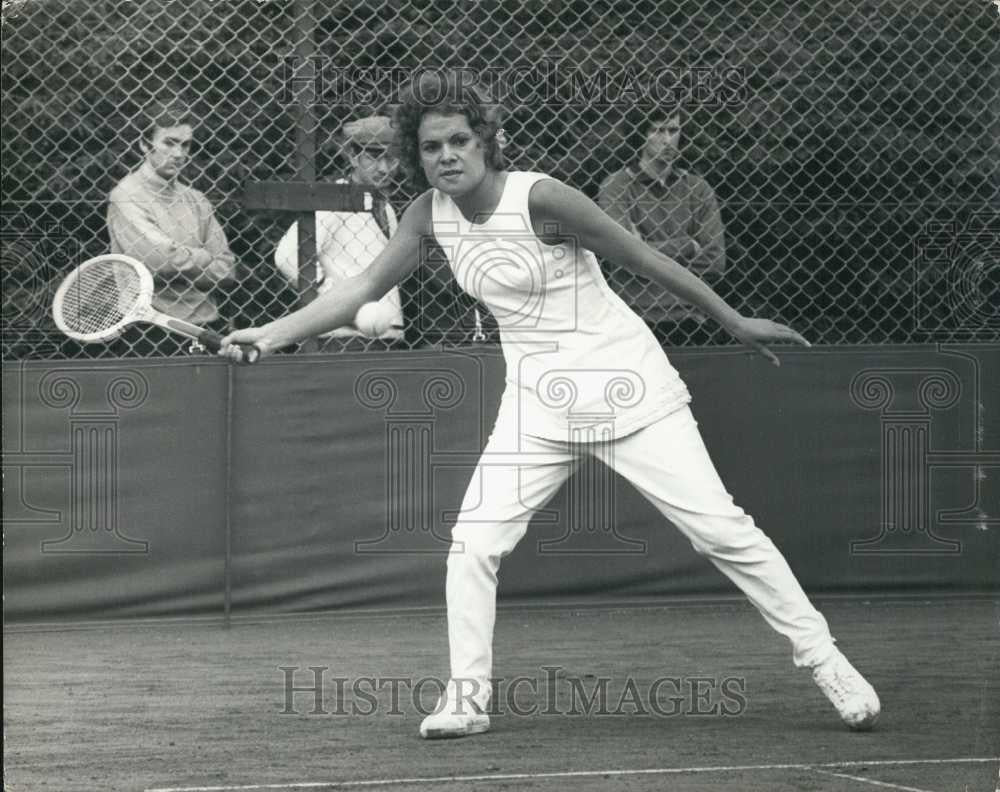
(670, 466)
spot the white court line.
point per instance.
(871, 781)
(569, 774)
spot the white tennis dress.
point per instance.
(577, 356)
(584, 376)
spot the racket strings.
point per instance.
(100, 297)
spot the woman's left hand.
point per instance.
(758, 333)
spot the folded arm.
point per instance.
(709, 260)
(134, 230)
(221, 269)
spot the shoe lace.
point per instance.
(840, 682)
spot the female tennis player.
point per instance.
(584, 375)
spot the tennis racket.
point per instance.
(107, 293)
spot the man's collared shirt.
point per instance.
(668, 214)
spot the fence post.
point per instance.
(305, 158)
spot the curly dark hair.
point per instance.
(447, 93)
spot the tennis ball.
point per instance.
(373, 319)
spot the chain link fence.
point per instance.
(851, 147)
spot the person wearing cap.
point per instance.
(674, 211)
(348, 242)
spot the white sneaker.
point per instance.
(850, 693)
(454, 716)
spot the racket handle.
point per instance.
(213, 342)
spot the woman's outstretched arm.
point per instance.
(577, 217)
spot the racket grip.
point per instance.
(213, 341)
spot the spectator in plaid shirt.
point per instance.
(171, 228)
(674, 211)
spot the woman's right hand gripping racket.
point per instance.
(105, 294)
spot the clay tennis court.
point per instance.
(184, 705)
(612, 670)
